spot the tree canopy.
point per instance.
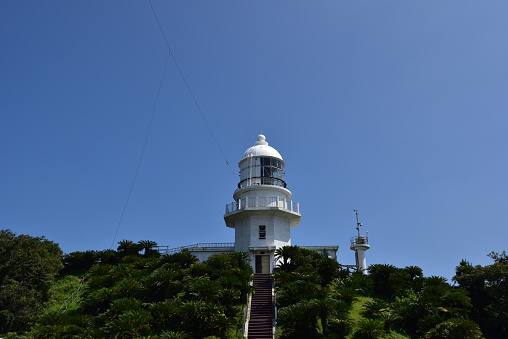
(141, 295)
(134, 291)
(315, 298)
(28, 266)
(488, 289)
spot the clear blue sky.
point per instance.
(395, 108)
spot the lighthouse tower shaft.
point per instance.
(262, 212)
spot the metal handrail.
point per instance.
(74, 296)
(247, 310)
(361, 240)
(167, 250)
(267, 202)
(274, 298)
(264, 184)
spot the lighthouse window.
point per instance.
(262, 232)
(261, 170)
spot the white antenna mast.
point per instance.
(360, 244)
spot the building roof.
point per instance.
(261, 149)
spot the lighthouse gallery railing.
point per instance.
(268, 202)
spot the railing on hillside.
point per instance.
(268, 202)
(74, 296)
(246, 311)
(201, 245)
(274, 300)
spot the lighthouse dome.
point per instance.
(261, 149)
(261, 165)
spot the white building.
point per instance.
(262, 213)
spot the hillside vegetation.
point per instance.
(28, 266)
(134, 292)
(318, 299)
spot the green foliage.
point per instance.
(455, 329)
(79, 261)
(340, 327)
(414, 272)
(148, 247)
(64, 293)
(28, 266)
(350, 287)
(136, 292)
(313, 297)
(175, 335)
(388, 317)
(488, 290)
(299, 320)
(7, 320)
(147, 295)
(129, 324)
(374, 307)
(128, 247)
(84, 260)
(388, 280)
(410, 309)
(369, 329)
(501, 258)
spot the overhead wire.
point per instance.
(72, 298)
(142, 151)
(170, 54)
(190, 90)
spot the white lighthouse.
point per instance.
(262, 213)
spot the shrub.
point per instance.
(369, 329)
(455, 329)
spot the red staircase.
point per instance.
(260, 323)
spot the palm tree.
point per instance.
(167, 314)
(412, 309)
(455, 329)
(205, 289)
(119, 306)
(298, 320)
(128, 247)
(369, 329)
(328, 269)
(341, 327)
(329, 308)
(414, 271)
(286, 257)
(184, 259)
(219, 264)
(147, 246)
(456, 301)
(374, 307)
(385, 279)
(203, 319)
(130, 324)
(175, 335)
(96, 301)
(388, 318)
